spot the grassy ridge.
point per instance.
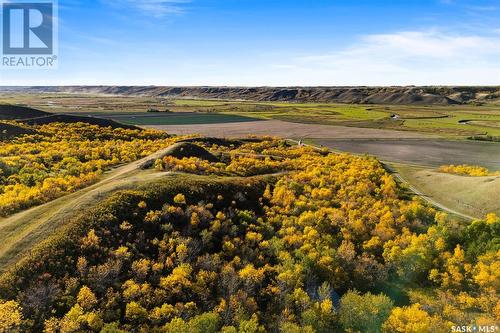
(116, 207)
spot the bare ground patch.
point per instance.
(287, 130)
(427, 152)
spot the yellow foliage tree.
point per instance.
(10, 317)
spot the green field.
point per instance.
(453, 121)
(445, 121)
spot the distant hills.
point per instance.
(350, 95)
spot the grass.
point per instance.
(478, 123)
(441, 120)
(316, 115)
(22, 231)
(474, 196)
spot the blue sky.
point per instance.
(273, 42)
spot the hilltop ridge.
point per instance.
(438, 95)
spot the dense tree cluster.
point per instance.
(61, 158)
(468, 170)
(312, 242)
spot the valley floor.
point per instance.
(289, 130)
(394, 146)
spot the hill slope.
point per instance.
(32, 116)
(272, 253)
(8, 131)
(359, 95)
(69, 119)
(15, 112)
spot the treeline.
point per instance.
(327, 243)
(468, 170)
(485, 138)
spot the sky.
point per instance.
(273, 43)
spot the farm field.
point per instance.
(227, 205)
(290, 130)
(395, 146)
(199, 166)
(429, 136)
(164, 118)
(453, 121)
(433, 153)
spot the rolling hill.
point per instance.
(37, 117)
(15, 112)
(311, 241)
(351, 95)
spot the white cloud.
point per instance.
(482, 8)
(430, 45)
(410, 57)
(155, 8)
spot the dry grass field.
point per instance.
(475, 196)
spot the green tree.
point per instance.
(364, 313)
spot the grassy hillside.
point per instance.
(268, 237)
(70, 119)
(14, 112)
(475, 196)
